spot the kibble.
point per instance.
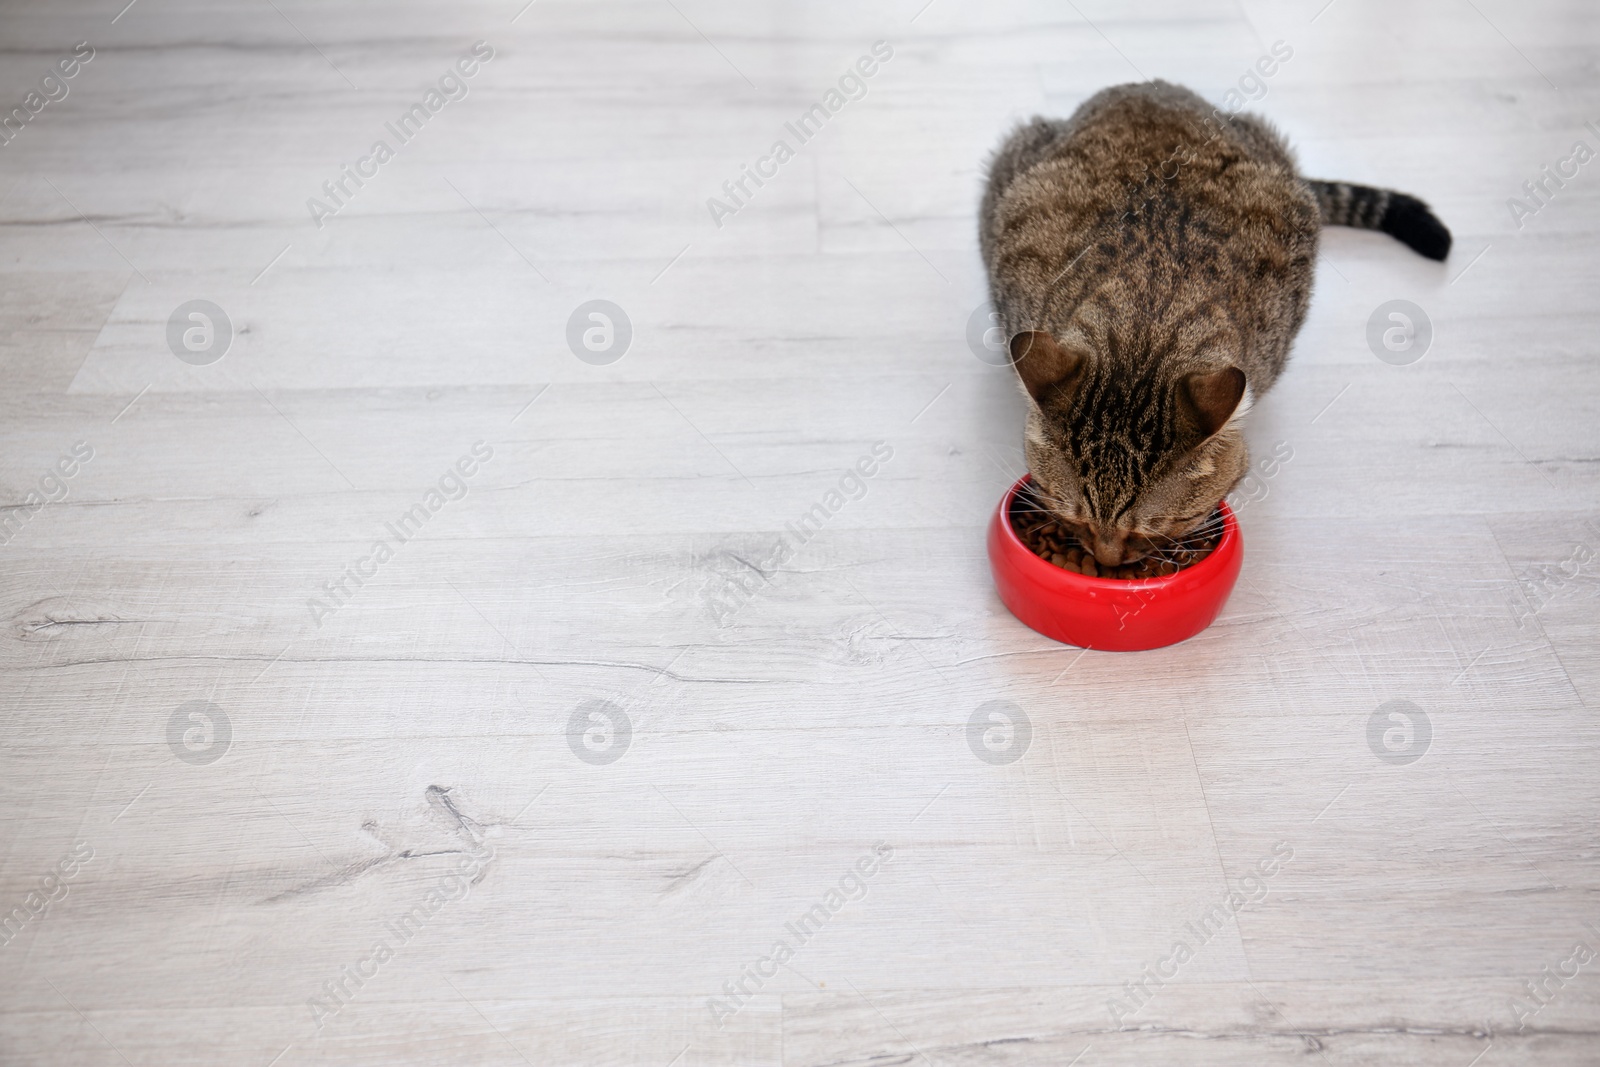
(1052, 542)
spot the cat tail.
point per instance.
(1402, 217)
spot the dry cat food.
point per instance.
(1052, 542)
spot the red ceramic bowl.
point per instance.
(1112, 614)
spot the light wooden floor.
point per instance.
(1411, 550)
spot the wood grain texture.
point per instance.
(428, 745)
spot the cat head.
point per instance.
(1128, 461)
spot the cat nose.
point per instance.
(1109, 548)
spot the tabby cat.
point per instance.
(1150, 259)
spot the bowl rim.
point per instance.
(1191, 573)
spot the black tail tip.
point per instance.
(1410, 222)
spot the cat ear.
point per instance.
(1211, 399)
(1043, 364)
